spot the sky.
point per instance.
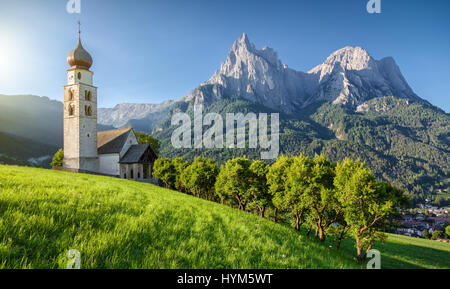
(149, 51)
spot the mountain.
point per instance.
(349, 76)
(23, 151)
(32, 117)
(31, 129)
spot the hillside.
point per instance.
(33, 117)
(123, 224)
(19, 150)
(403, 142)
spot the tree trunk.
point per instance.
(321, 230)
(262, 211)
(297, 221)
(361, 257)
(276, 215)
(240, 207)
(321, 234)
(341, 236)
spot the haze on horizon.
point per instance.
(153, 51)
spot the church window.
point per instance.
(71, 110)
(87, 95)
(79, 75)
(70, 94)
(87, 110)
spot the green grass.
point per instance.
(123, 224)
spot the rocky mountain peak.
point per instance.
(349, 76)
(351, 58)
(345, 59)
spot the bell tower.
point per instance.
(80, 113)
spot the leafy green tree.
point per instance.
(58, 159)
(144, 138)
(165, 171)
(437, 235)
(180, 167)
(447, 231)
(365, 203)
(234, 181)
(200, 177)
(320, 197)
(426, 234)
(276, 180)
(259, 189)
(293, 198)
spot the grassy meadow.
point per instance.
(123, 224)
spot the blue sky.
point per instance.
(149, 51)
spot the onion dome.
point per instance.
(79, 57)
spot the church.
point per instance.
(114, 153)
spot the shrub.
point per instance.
(58, 159)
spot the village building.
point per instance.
(113, 153)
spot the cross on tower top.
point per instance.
(79, 28)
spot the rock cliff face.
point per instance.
(349, 76)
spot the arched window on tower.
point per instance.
(87, 95)
(70, 93)
(71, 110)
(88, 110)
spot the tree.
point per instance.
(180, 166)
(276, 181)
(259, 190)
(298, 178)
(200, 177)
(58, 159)
(234, 180)
(319, 195)
(144, 138)
(447, 231)
(437, 235)
(165, 171)
(426, 234)
(365, 203)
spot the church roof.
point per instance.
(135, 154)
(112, 141)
